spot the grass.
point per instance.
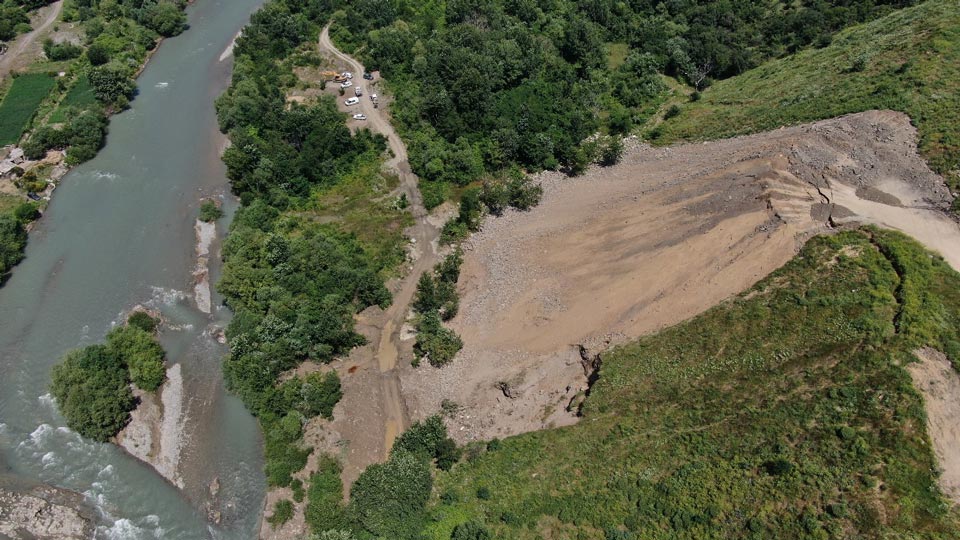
(784, 413)
(9, 202)
(20, 103)
(617, 54)
(361, 204)
(910, 62)
(80, 96)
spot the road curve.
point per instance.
(422, 233)
(19, 45)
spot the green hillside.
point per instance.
(908, 61)
(785, 413)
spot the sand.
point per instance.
(625, 251)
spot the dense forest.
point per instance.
(484, 85)
(485, 91)
(298, 265)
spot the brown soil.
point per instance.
(939, 383)
(627, 250)
(372, 411)
(28, 47)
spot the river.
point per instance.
(118, 233)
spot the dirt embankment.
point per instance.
(939, 383)
(628, 250)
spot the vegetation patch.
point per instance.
(784, 413)
(21, 102)
(92, 384)
(907, 61)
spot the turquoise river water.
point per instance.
(118, 233)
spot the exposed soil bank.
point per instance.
(628, 250)
(939, 383)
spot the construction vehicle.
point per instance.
(334, 76)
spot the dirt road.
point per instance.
(385, 326)
(628, 250)
(14, 57)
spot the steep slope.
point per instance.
(784, 413)
(907, 61)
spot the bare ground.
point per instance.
(28, 47)
(939, 383)
(628, 250)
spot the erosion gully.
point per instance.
(118, 233)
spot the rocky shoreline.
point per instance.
(45, 513)
(155, 432)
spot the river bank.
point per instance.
(121, 233)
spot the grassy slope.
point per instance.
(912, 65)
(685, 430)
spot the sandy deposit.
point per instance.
(206, 233)
(628, 250)
(939, 383)
(155, 432)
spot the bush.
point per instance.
(61, 51)
(483, 493)
(319, 394)
(429, 440)
(139, 351)
(27, 212)
(611, 152)
(210, 211)
(92, 389)
(143, 321)
(388, 499)
(434, 342)
(282, 512)
(672, 112)
(283, 452)
(98, 54)
(470, 530)
(325, 497)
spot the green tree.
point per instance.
(388, 499)
(92, 390)
(141, 354)
(470, 530)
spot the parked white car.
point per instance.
(358, 91)
(346, 84)
(348, 75)
(359, 116)
(351, 101)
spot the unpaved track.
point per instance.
(386, 326)
(12, 59)
(670, 232)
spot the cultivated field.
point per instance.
(20, 103)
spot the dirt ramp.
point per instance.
(625, 251)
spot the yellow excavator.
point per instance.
(333, 75)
